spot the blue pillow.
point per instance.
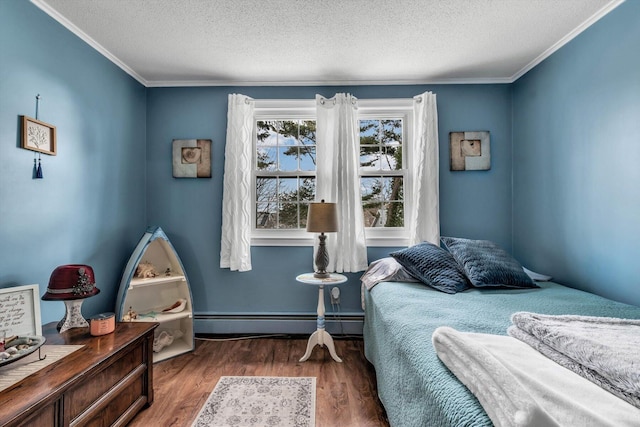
(433, 266)
(486, 264)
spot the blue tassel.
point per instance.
(34, 175)
(39, 171)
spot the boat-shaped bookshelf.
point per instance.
(161, 295)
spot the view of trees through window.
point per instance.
(286, 172)
(381, 178)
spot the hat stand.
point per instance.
(73, 316)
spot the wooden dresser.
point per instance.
(107, 382)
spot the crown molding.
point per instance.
(390, 82)
(566, 39)
(85, 37)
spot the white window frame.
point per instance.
(387, 109)
(297, 109)
(278, 109)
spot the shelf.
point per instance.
(154, 294)
(178, 347)
(165, 317)
(139, 283)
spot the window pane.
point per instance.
(394, 214)
(397, 189)
(378, 214)
(382, 201)
(385, 191)
(304, 211)
(266, 214)
(390, 188)
(288, 158)
(288, 215)
(369, 157)
(370, 189)
(307, 158)
(369, 131)
(381, 144)
(266, 158)
(275, 126)
(288, 133)
(263, 131)
(278, 204)
(307, 132)
(307, 190)
(389, 159)
(391, 132)
(288, 190)
(266, 189)
(371, 213)
(396, 152)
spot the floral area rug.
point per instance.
(260, 401)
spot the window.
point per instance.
(381, 172)
(385, 140)
(285, 170)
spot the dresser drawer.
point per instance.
(45, 417)
(115, 409)
(98, 384)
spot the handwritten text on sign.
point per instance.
(18, 311)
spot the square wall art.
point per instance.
(470, 151)
(191, 158)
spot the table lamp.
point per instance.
(72, 284)
(322, 218)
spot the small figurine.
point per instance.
(130, 316)
(146, 270)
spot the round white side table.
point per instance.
(320, 336)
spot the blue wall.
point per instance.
(90, 206)
(572, 122)
(473, 204)
(576, 166)
(105, 186)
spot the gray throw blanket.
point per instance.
(604, 350)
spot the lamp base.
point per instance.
(73, 316)
(322, 259)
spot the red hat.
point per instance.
(74, 281)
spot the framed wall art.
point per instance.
(191, 158)
(20, 310)
(470, 151)
(38, 136)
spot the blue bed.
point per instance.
(416, 389)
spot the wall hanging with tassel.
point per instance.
(38, 136)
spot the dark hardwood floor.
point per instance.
(346, 392)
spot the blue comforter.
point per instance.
(416, 389)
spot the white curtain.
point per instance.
(425, 218)
(235, 245)
(338, 180)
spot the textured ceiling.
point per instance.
(285, 42)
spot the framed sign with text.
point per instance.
(20, 311)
